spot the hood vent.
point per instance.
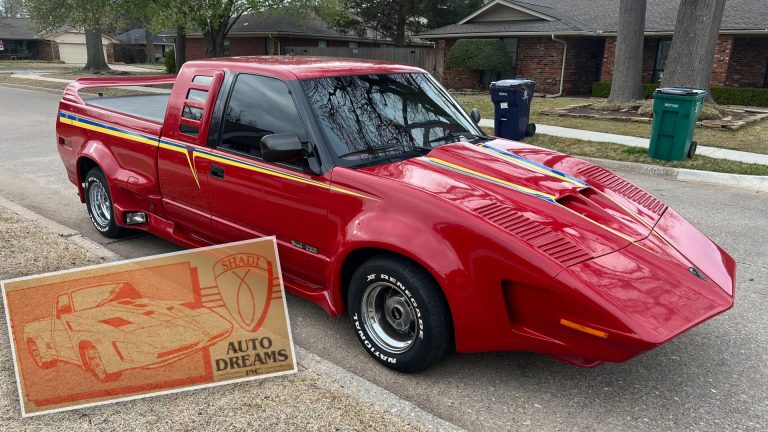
(558, 247)
(617, 184)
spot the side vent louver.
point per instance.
(625, 188)
(560, 248)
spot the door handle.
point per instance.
(217, 171)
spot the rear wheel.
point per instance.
(34, 351)
(692, 149)
(400, 314)
(98, 201)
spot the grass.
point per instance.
(624, 153)
(7, 79)
(33, 64)
(752, 138)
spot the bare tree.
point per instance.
(693, 45)
(628, 62)
(10, 8)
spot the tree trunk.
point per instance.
(692, 53)
(150, 46)
(94, 50)
(628, 62)
(402, 21)
(215, 36)
(180, 49)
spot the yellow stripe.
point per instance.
(485, 176)
(530, 166)
(157, 143)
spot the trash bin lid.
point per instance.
(680, 91)
(512, 83)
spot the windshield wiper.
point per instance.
(456, 135)
(374, 150)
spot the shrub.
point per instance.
(749, 96)
(170, 62)
(479, 54)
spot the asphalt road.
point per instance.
(714, 377)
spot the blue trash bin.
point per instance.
(512, 108)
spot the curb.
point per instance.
(372, 394)
(757, 183)
(26, 87)
(67, 234)
(352, 384)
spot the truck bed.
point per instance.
(148, 107)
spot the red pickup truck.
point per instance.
(389, 202)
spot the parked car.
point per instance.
(389, 202)
(109, 328)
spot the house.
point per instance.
(276, 32)
(21, 41)
(566, 45)
(132, 47)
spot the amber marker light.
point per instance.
(585, 329)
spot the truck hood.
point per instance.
(567, 208)
(133, 315)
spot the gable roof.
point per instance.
(17, 28)
(591, 17)
(139, 36)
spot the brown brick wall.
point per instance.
(540, 58)
(582, 65)
(650, 48)
(749, 60)
(723, 51)
(48, 50)
(195, 48)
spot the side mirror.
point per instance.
(475, 115)
(285, 147)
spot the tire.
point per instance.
(692, 149)
(400, 314)
(34, 351)
(98, 201)
(530, 130)
(93, 363)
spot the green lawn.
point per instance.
(32, 64)
(752, 138)
(6, 78)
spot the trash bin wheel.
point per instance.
(530, 130)
(692, 149)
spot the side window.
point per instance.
(259, 106)
(63, 306)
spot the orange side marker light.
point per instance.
(585, 329)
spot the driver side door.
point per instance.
(60, 333)
(252, 198)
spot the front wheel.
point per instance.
(94, 363)
(98, 201)
(400, 314)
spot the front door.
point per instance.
(251, 197)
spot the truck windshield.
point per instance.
(377, 118)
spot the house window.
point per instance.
(511, 44)
(322, 43)
(353, 45)
(661, 59)
(226, 47)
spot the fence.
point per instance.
(429, 59)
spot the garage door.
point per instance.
(74, 53)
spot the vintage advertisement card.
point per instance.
(149, 326)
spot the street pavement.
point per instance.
(714, 377)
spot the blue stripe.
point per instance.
(545, 198)
(522, 159)
(106, 126)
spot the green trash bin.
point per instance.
(674, 119)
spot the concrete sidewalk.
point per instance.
(713, 152)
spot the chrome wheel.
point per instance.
(389, 317)
(101, 207)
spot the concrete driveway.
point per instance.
(714, 377)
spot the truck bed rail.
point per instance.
(71, 91)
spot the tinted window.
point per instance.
(259, 106)
(375, 117)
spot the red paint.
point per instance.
(610, 257)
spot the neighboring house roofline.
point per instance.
(757, 32)
(319, 36)
(512, 5)
(51, 36)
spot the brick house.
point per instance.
(20, 41)
(566, 45)
(276, 33)
(134, 41)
